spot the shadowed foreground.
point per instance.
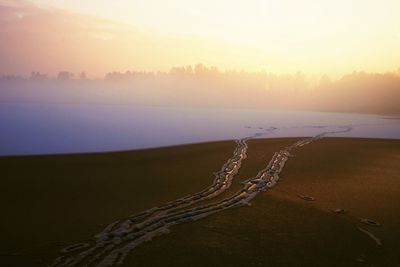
(52, 201)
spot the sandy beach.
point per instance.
(54, 201)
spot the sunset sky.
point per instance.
(99, 36)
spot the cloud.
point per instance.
(24, 17)
(34, 38)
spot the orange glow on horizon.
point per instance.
(274, 36)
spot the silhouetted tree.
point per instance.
(82, 76)
(65, 75)
(37, 76)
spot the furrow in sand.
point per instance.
(113, 246)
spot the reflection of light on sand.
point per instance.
(115, 242)
(372, 236)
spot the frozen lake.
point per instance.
(67, 128)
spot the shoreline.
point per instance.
(107, 152)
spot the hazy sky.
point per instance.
(279, 36)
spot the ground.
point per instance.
(51, 201)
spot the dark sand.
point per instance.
(51, 201)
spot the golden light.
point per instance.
(331, 37)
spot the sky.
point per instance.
(280, 36)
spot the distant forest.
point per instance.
(201, 86)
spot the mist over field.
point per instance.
(291, 55)
(202, 86)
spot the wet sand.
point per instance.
(279, 229)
